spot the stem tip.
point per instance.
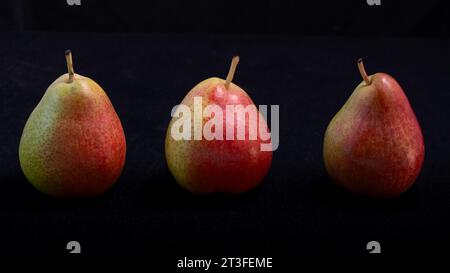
(69, 62)
(234, 63)
(362, 71)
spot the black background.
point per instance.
(301, 56)
(275, 17)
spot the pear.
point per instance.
(73, 144)
(374, 145)
(220, 164)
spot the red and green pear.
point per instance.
(374, 145)
(228, 166)
(73, 143)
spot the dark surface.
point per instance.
(325, 17)
(296, 210)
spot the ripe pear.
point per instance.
(374, 145)
(227, 165)
(73, 144)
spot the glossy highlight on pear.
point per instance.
(73, 143)
(374, 145)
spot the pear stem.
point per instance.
(362, 71)
(234, 63)
(69, 65)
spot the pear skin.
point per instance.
(206, 166)
(73, 144)
(374, 145)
